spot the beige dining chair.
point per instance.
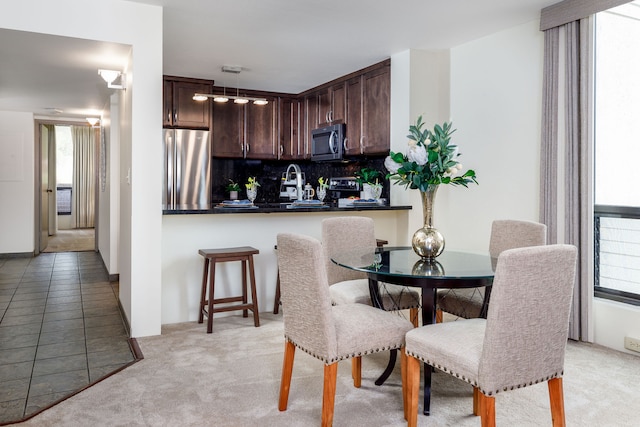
(330, 333)
(520, 343)
(505, 234)
(347, 286)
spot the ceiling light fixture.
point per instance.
(237, 99)
(92, 121)
(110, 76)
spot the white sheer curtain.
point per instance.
(566, 167)
(84, 173)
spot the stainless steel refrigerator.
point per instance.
(187, 169)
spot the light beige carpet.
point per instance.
(76, 240)
(232, 377)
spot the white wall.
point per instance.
(184, 235)
(140, 26)
(496, 92)
(17, 182)
(109, 206)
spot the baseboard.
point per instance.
(18, 255)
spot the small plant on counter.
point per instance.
(322, 183)
(252, 183)
(232, 186)
(368, 176)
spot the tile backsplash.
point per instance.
(269, 173)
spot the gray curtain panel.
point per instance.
(577, 208)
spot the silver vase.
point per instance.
(428, 242)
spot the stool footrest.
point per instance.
(233, 308)
(228, 299)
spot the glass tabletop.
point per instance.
(404, 262)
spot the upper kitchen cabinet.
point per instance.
(376, 111)
(227, 130)
(289, 129)
(180, 110)
(260, 130)
(332, 104)
(245, 130)
(353, 140)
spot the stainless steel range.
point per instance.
(342, 188)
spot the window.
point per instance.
(64, 169)
(617, 153)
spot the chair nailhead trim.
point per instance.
(475, 383)
(331, 361)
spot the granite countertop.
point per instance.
(278, 208)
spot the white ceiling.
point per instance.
(282, 45)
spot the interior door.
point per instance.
(44, 187)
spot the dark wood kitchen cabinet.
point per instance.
(245, 131)
(289, 129)
(260, 126)
(227, 130)
(332, 103)
(376, 111)
(352, 141)
(311, 122)
(368, 115)
(180, 110)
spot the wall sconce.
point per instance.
(110, 76)
(93, 121)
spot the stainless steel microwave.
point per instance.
(327, 143)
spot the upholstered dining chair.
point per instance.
(348, 286)
(328, 333)
(505, 234)
(521, 342)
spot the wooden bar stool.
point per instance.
(213, 256)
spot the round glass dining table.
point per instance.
(402, 266)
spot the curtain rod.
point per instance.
(572, 10)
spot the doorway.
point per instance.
(68, 176)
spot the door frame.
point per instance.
(38, 176)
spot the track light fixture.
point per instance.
(237, 99)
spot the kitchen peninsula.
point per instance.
(183, 234)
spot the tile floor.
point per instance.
(60, 329)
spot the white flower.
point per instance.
(391, 165)
(459, 166)
(418, 154)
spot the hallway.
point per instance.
(60, 330)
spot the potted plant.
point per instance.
(369, 180)
(233, 188)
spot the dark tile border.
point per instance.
(137, 356)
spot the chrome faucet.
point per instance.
(298, 172)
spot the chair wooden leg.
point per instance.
(413, 314)
(439, 316)
(487, 406)
(413, 390)
(287, 369)
(329, 393)
(356, 371)
(556, 398)
(476, 401)
(403, 376)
